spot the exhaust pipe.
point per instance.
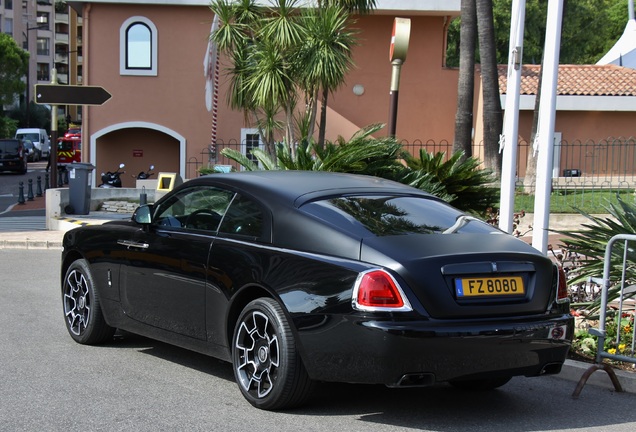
(415, 380)
(551, 369)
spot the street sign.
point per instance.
(53, 94)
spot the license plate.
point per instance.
(489, 286)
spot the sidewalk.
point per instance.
(50, 239)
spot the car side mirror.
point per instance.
(143, 215)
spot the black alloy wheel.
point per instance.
(82, 310)
(267, 366)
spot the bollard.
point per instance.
(143, 196)
(46, 180)
(30, 191)
(60, 178)
(65, 177)
(38, 187)
(21, 193)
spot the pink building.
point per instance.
(157, 113)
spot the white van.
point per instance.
(39, 137)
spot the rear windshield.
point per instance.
(9, 146)
(35, 137)
(394, 215)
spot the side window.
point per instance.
(244, 217)
(198, 208)
(138, 47)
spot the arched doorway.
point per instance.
(137, 146)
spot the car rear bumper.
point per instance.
(12, 165)
(352, 349)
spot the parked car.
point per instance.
(13, 156)
(298, 277)
(38, 137)
(33, 155)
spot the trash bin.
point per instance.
(79, 188)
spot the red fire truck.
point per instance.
(69, 149)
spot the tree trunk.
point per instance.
(466, 81)
(323, 119)
(530, 178)
(493, 117)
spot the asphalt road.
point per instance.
(50, 383)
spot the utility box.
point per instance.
(79, 188)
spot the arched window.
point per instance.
(138, 47)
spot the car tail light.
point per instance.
(377, 290)
(562, 285)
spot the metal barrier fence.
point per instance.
(577, 167)
(604, 162)
(623, 316)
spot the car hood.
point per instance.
(431, 265)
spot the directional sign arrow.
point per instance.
(53, 94)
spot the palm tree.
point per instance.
(261, 44)
(328, 84)
(493, 117)
(279, 53)
(589, 246)
(361, 6)
(362, 154)
(458, 180)
(466, 82)
(325, 59)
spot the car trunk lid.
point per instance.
(467, 275)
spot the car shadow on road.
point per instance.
(524, 404)
(174, 354)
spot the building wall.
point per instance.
(174, 99)
(427, 93)
(599, 143)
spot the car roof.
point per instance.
(298, 187)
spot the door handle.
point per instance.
(133, 244)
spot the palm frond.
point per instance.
(239, 158)
(266, 161)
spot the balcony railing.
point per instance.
(61, 37)
(61, 18)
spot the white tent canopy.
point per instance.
(623, 53)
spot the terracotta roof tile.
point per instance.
(578, 80)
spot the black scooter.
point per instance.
(143, 175)
(112, 179)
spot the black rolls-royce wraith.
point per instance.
(298, 277)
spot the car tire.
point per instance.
(480, 384)
(82, 307)
(266, 363)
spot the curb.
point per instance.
(30, 244)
